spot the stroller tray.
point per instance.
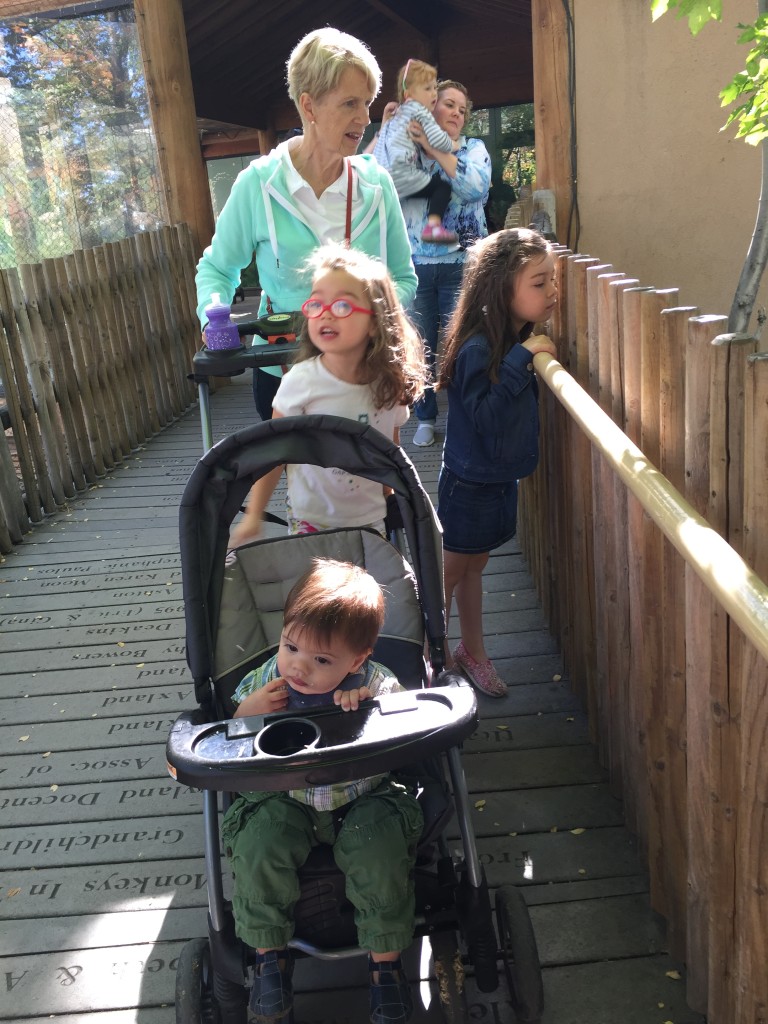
(297, 750)
(231, 362)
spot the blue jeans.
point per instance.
(435, 300)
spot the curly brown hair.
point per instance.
(397, 370)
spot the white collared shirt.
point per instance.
(326, 216)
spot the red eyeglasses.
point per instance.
(340, 308)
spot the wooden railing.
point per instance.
(677, 692)
(95, 349)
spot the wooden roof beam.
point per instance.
(409, 16)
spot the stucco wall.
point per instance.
(664, 195)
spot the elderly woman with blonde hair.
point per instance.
(311, 189)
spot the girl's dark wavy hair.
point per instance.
(485, 299)
(397, 370)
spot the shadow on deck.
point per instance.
(102, 867)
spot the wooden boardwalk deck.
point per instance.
(101, 869)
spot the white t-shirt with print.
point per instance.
(331, 497)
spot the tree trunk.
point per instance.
(756, 259)
(757, 254)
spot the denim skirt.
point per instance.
(475, 517)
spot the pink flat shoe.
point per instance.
(481, 674)
(437, 233)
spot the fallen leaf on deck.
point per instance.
(54, 787)
(13, 892)
(577, 831)
(23, 739)
(674, 975)
(479, 804)
(556, 678)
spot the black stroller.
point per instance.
(233, 607)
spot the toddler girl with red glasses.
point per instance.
(360, 358)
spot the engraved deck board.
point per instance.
(110, 676)
(89, 566)
(96, 801)
(24, 582)
(96, 733)
(112, 703)
(77, 603)
(14, 628)
(67, 767)
(169, 623)
(49, 847)
(88, 980)
(106, 651)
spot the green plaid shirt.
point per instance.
(379, 680)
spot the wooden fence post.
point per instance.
(751, 954)
(581, 576)
(636, 796)
(726, 482)
(674, 831)
(648, 653)
(29, 445)
(608, 548)
(705, 657)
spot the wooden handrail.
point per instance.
(739, 590)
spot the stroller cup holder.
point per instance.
(293, 750)
(287, 737)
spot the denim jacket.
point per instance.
(492, 432)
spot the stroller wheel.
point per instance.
(195, 1003)
(449, 975)
(520, 955)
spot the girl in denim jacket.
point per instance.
(492, 430)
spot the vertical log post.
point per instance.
(651, 613)
(552, 108)
(619, 651)
(163, 42)
(705, 657)
(725, 514)
(604, 537)
(674, 836)
(752, 824)
(582, 670)
(636, 780)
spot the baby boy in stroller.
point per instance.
(332, 619)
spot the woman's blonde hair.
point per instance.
(414, 72)
(318, 61)
(485, 299)
(395, 362)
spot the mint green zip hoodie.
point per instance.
(260, 217)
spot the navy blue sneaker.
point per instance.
(391, 1001)
(271, 999)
